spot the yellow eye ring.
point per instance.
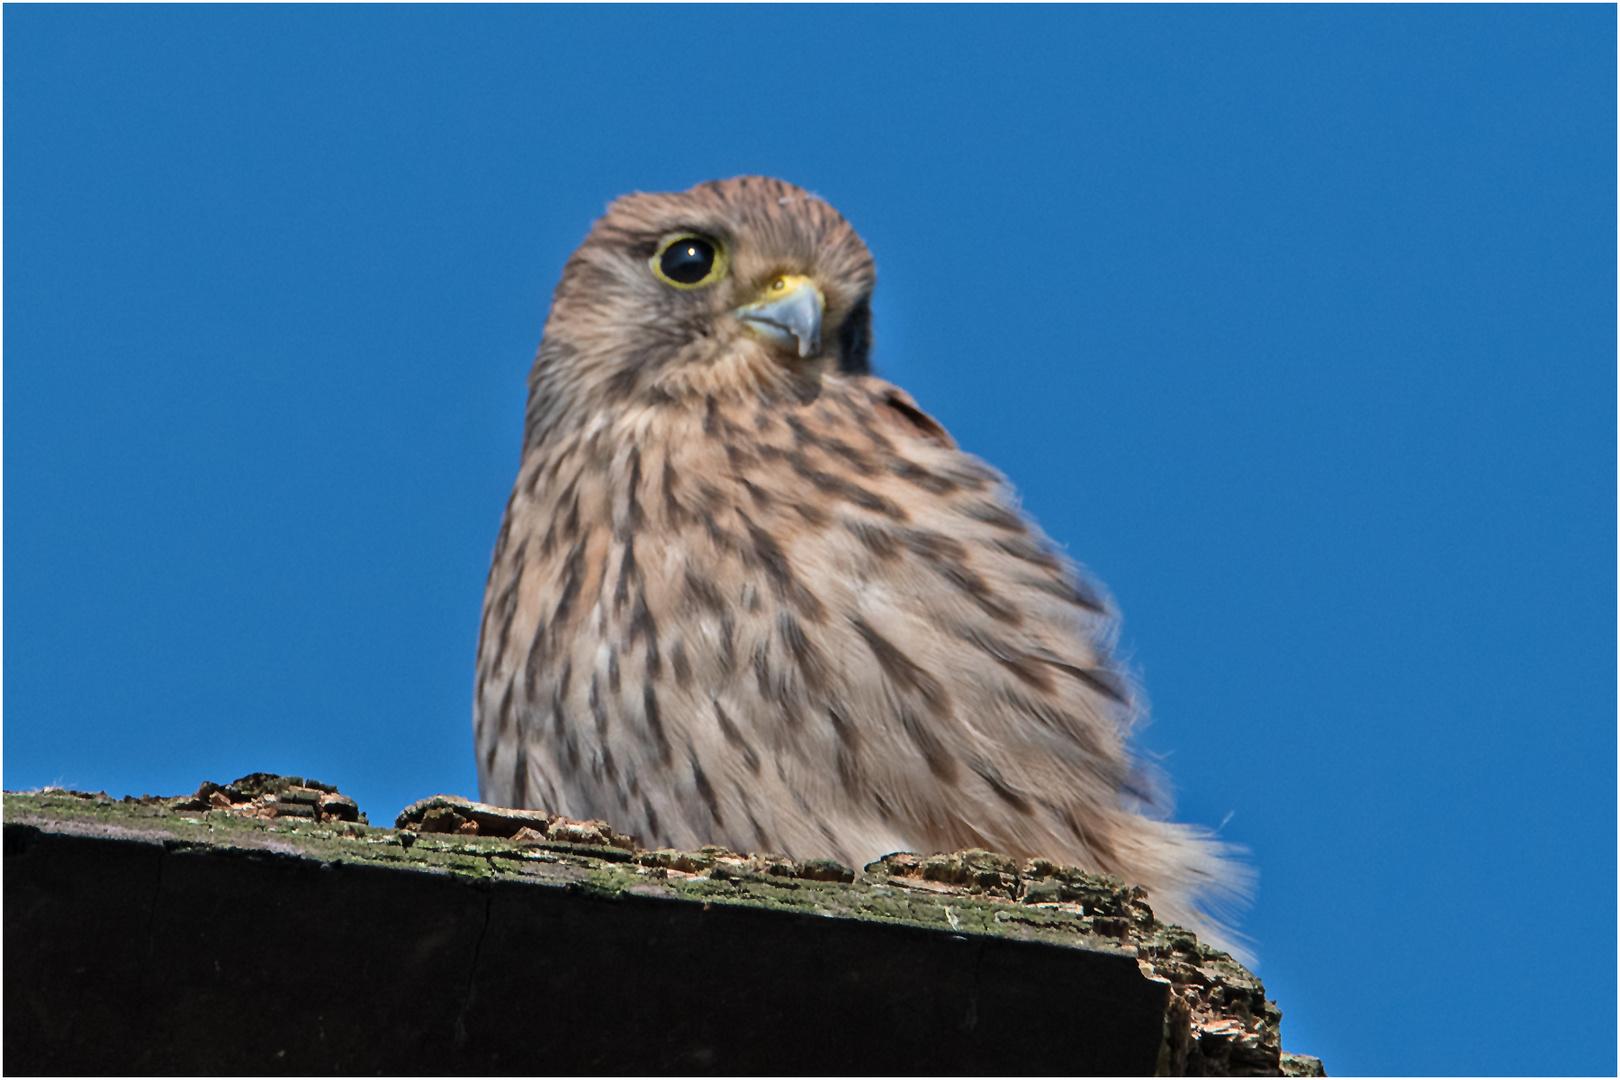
(690, 261)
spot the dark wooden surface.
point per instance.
(132, 954)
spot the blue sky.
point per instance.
(1296, 325)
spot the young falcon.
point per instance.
(747, 594)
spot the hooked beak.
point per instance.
(789, 315)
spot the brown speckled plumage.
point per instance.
(752, 598)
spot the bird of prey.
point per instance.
(748, 594)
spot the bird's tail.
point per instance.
(1193, 880)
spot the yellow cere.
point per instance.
(785, 284)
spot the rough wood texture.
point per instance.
(263, 927)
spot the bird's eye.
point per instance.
(688, 261)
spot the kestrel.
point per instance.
(746, 593)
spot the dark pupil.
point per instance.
(687, 261)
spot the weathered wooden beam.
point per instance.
(263, 927)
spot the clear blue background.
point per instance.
(1296, 325)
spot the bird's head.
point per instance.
(749, 285)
